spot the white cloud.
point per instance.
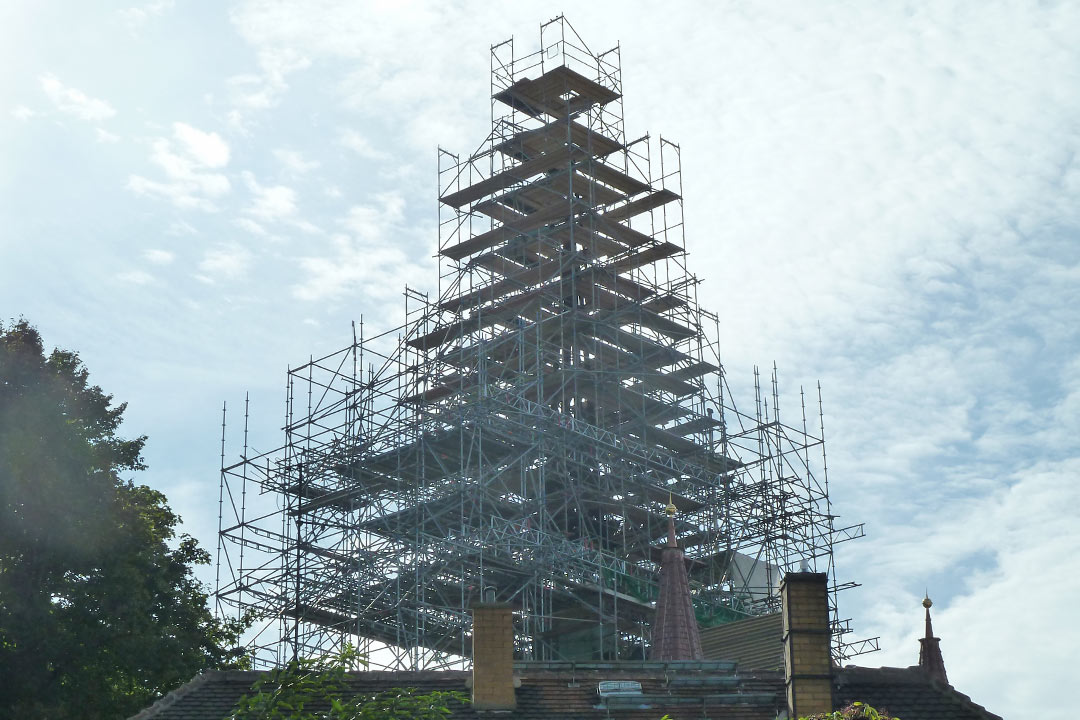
(22, 113)
(250, 226)
(361, 146)
(158, 256)
(238, 122)
(262, 91)
(271, 203)
(186, 160)
(382, 81)
(179, 194)
(205, 148)
(999, 549)
(104, 136)
(136, 277)
(136, 17)
(294, 161)
(179, 228)
(75, 102)
(357, 264)
(226, 263)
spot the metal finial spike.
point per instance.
(927, 602)
(671, 509)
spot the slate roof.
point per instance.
(549, 691)
(755, 643)
(568, 691)
(908, 693)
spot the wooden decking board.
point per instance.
(551, 190)
(446, 386)
(614, 177)
(527, 223)
(599, 296)
(497, 263)
(562, 76)
(523, 250)
(646, 257)
(647, 412)
(671, 441)
(528, 97)
(497, 211)
(663, 325)
(698, 424)
(491, 316)
(644, 317)
(616, 399)
(696, 369)
(624, 234)
(649, 202)
(663, 303)
(641, 345)
(545, 93)
(526, 277)
(505, 179)
(659, 381)
(597, 245)
(535, 198)
(555, 135)
(580, 185)
(607, 277)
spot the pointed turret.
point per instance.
(930, 659)
(675, 632)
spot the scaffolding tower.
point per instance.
(519, 436)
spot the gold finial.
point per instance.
(670, 509)
(927, 602)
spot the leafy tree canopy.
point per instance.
(100, 611)
(854, 711)
(318, 689)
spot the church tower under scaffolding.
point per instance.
(519, 437)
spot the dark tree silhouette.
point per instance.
(100, 611)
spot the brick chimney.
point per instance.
(493, 657)
(807, 662)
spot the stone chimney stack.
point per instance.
(493, 657)
(807, 662)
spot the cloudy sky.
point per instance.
(883, 196)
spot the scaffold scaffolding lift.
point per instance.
(520, 435)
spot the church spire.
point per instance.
(675, 633)
(930, 659)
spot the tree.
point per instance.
(318, 689)
(100, 611)
(854, 711)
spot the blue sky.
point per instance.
(883, 196)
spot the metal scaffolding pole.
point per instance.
(521, 433)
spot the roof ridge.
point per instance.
(202, 678)
(962, 699)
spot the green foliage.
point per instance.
(317, 689)
(854, 711)
(100, 612)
